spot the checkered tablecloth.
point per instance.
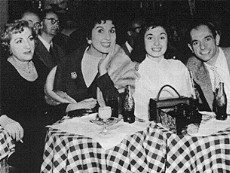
(152, 150)
(143, 151)
(6, 144)
(6, 148)
(190, 154)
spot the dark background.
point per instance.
(176, 12)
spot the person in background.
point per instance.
(67, 25)
(76, 39)
(22, 96)
(99, 70)
(209, 63)
(62, 37)
(33, 19)
(156, 71)
(133, 30)
(47, 51)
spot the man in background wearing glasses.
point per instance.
(47, 51)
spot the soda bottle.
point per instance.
(220, 102)
(128, 106)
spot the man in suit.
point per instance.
(46, 50)
(133, 30)
(210, 62)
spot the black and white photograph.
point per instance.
(117, 86)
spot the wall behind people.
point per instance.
(3, 20)
(17, 7)
(3, 12)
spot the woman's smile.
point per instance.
(156, 49)
(106, 44)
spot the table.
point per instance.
(152, 150)
(143, 151)
(6, 148)
(190, 154)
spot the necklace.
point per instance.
(26, 69)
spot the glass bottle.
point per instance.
(220, 102)
(128, 106)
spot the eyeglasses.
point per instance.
(52, 20)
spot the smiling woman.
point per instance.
(102, 38)
(156, 71)
(156, 41)
(96, 71)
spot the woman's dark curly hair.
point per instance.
(13, 28)
(98, 18)
(139, 52)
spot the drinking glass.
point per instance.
(104, 113)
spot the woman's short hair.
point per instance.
(13, 28)
(139, 49)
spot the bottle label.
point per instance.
(129, 104)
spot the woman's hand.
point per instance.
(12, 127)
(87, 103)
(15, 130)
(84, 104)
(104, 62)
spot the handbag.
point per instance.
(174, 113)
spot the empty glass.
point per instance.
(104, 113)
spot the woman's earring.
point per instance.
(89, 42)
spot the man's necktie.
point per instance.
(51, 51)
(217, 78)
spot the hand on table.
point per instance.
(87, 103)
(12, 127)
(15, 130)
(84, 104)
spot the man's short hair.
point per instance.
(28, 12)
(136, 20)
(44, 13)
(197, 23)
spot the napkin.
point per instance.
(116, 133)
(212, 126)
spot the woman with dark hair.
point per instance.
(138, 53)
(98, 70)
(156, 71)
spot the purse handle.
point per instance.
(158, 95)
